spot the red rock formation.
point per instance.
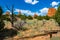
(35, 15)
(7, 13)
(51, 12)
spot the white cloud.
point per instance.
(43, 11)
(35, 2)
(28, 1)
(17, 10)
(31, 2)
(56, 7)
(28, 12)
(54, 3)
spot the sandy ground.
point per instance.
(46, 37)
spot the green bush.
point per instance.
(57, 16)
(23, 17)
(46, 17)
(39, 17)
(30, 17)
(1, 20)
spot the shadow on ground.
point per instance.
(7, 33)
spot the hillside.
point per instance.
(35, 27)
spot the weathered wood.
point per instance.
(52, 32)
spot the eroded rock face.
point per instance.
(51, 12)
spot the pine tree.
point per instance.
(57, 16)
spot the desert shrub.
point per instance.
(6, 17)
(1, 25)
(19, 25)
(55, 38)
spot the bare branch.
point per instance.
(8, 8)
(12, 11)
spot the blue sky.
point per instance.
(30, 7)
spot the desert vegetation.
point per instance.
(25, 27)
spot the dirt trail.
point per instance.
(40, 38)
(47, 37)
